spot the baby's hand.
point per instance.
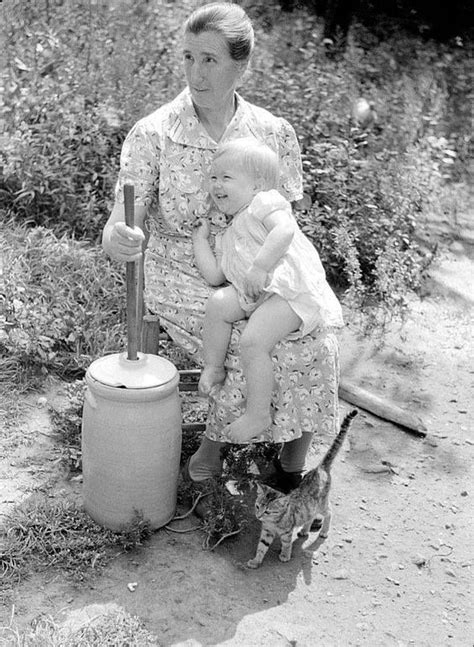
(255, 281)
(202, 229)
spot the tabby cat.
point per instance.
(306, 506)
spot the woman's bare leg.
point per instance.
(271, 322)
(222, 310)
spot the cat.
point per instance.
(306, 506)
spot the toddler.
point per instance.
(276, 278)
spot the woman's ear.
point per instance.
(242, 68)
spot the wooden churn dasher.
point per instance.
(131, 427)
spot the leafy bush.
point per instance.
(77, 80)
(368, 193)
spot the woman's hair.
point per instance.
(255, 158)
(226, 19)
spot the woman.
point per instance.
(167, 156)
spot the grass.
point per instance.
(108, 630)
(44, 533)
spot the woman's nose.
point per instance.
(196, 72)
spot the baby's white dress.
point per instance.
(298, 277)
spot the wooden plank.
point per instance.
(351, 393)
(381, 407)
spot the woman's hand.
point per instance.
(202, 230)
(123, 243)
(255, 281)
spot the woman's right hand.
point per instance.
(123, 243)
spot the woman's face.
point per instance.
(230, 186)
(210, 71)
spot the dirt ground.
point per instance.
(397, 566)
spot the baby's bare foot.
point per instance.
(210, 376)
(248, 426)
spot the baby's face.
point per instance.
(231, 187)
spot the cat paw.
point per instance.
(252, 563)
(284, 558)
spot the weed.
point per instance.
(67, 425)
(63, 306)
(42, 533)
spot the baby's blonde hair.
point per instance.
(256, 158)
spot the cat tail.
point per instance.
(338, 440)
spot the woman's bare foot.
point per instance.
(248, 426)
(210, 376)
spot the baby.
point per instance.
(277, 280)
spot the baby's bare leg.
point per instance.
(270, 322)
(222, 310)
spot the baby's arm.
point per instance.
(281, 230)
(204, 257)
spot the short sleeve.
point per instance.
(266, 202)
(291, 177)
(139, 165)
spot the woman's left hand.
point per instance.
(202, 229)
(255, 281)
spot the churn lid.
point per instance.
(148, 371)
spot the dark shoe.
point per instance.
(280, 480)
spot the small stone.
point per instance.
(419, 560)
(464, 493)
(450, 572)
(390, 579)
(341, 574)
(42, 401)
(132, 586)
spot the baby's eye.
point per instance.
(209, 59)
(213, 178)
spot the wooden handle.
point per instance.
(132, 330)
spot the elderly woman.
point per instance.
(167, 156)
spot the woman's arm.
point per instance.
(204, 257)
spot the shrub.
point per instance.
(77, 80)
(368, 193)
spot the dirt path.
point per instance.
(397, 566)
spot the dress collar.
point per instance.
(185, 128)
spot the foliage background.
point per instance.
(79, 74)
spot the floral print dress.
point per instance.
(167, 156)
